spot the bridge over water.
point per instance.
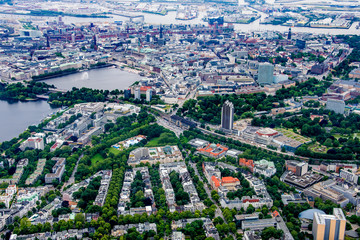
(130, 16)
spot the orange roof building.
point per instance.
(143, 89)
(215, 183)
(213, 150)
(230, 183)
(275, 213)
(247, 163)
(225, 180)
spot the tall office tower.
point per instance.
(148, 95)
(265, 73)
(94, 42)
(137, 93)
(289, 34)
(47, 40)
(227, 115)
(329, 227)
(161, 32)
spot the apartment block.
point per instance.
(329, 227)
(57, 170)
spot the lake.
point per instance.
(16, 117)
(103, 78)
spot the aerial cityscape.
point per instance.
(198, 120)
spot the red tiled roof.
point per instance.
(229, 180)
(144, 88)
(216, 181)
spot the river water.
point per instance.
(254, 26)
(170, 19)
(16, 117)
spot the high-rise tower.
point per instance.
(266, 73)
(227, 115)
(289, 34)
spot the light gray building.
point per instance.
(338, 106)
(265, 73)
(137, 93)
(149, 95)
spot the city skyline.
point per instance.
(201, 120)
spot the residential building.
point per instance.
(228, 183)
(103, 190)
(7, 195)
(57, 170)
(119, 230)
(126, 192)
(33, 142)
(176, 235)
(349, 176)
(247, 163)
(264, 167)
(18, 173)
(329, 227)
(38, 171)
(149, 95)
(127, 93)
(137, 93)
(187, 183)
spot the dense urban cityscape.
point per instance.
(200, 119)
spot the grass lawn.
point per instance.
(155, 143)
(95, 159)
(115, 151)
